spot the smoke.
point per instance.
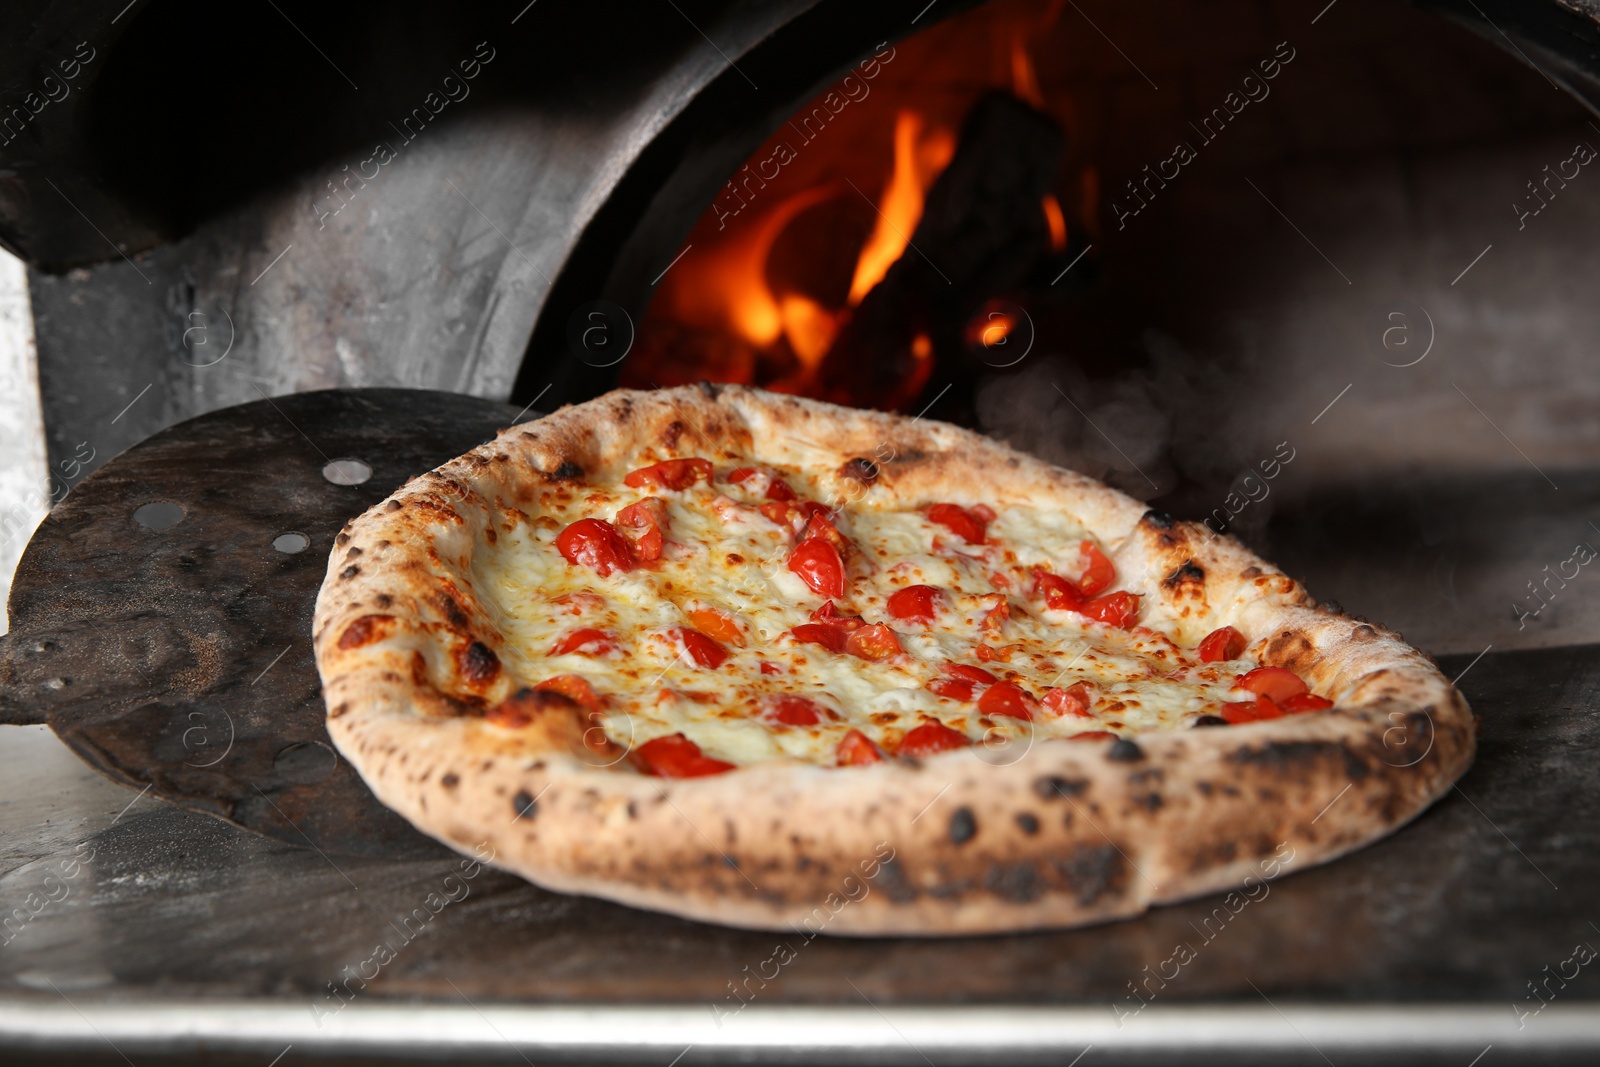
(1171, 428)
(1112, 430)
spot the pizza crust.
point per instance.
(982, 840)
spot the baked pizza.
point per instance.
(763, 661)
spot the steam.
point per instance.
(1172, 428)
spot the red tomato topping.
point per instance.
(595, 543)
(873, 642)
(831, 638)
(969, 525)
(574, 687)
(818, 564)
(1252, 710)
(585, 642)
(768, 667)
(670, 474)
(995, 614)
(792, 515)
(931, 738)
(969, 673)
(1222, 644)
(1074, 700)
(675, 756)
(1059, 593)
(1009, 699)
(644, 524)
(1301, 703)
(951, 688)
(1113, 609)
(718, 624)
(1098, 573)
(777, 488)
(855, 750)
(915, 603)
(1094, 735)
(1275, 683)
(829, 615)
(820, 526)
(704, 650)
(794, 710)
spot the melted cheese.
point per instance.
(722, 553)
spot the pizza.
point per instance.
(763, 661)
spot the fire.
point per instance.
(918, 159)
(727, 288)
(1024, 81)
(764, 301)
(1057, 222)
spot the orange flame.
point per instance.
(728, 289)
(918, 159)
(1057, 222)
(1024, 81)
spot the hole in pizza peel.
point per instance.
(346, 471)
(305, 762)
(292, 542)
(158, 515)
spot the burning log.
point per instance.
(983, 232)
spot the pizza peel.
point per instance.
(161, 614)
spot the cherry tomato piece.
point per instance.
(1059, 593)
(873, 642)
(1075, 701)
(794, 710)
(1301, 703)
(1276, 683)
(739, 474)
(718, 624)
(644, 524)
(996, 614)
(931, 738)
(1113, 609)
(831, 638)
(951, 688)
(1098, 573)
(818, 564)
(670, 474)
(1222, 644)
(792, 515)
(915, 603)
(970, 673)
(829, 615)
(1093, 735)
(778, 489)
(1252, 711)
(595, 543)
(574, 687)
(675, 756)
(705, 651)
(586, 642)
(969, 525)
(855, 750)
(1008, 699)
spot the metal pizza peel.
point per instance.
(161, 614)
